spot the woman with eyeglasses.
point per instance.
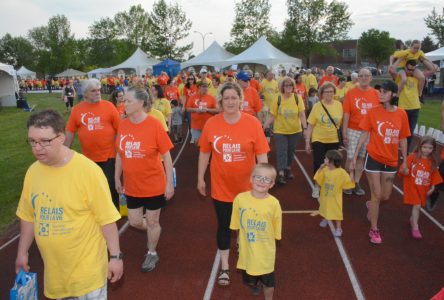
(388, 128)
(322, 132)
(235, 141)
(288, 116)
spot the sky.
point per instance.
(403, 19)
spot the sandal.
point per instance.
(224, 277)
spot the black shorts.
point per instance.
(373, 166)
(149, 203)
(267, 280)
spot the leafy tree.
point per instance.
(435, 22)
(313, 23)
(103, 35)
(16, 51)
(134, 25)
(376, 45)
(169, 25)
(428, 45)
(252, 21)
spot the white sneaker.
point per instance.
(315, 192)
(338, 232)
(323, 223)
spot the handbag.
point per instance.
(338, 129)
(25, 287)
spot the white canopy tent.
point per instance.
(71, 73)
(139, 62)
(214, 56)
(8, 85)
(98, 73)
(264, 53)
(435, 55)
(24, 73)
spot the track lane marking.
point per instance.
(212, 279)
(345, 259)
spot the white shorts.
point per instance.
(353, 139)
(98, 294)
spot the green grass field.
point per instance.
(16, 155)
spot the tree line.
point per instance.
(309, 27)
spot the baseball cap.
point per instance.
(390, 86)
(243, 75)
(203, 70)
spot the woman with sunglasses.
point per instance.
(190, 89)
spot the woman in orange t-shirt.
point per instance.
(189, 90)
(388, 128)
(118, 101)
(234, 140)
(141, 141)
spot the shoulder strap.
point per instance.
(328, 114)
(295, 96)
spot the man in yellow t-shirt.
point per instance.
(66, 206)
(309, 80)
(269, 91)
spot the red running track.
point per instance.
(308, 264)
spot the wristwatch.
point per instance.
(118, 256)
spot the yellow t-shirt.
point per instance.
(349, 85)
(323, 129)
(286, 116)
(157, 114)
(208, 81)
(212, 91)
(259, 222)
(180, 88)
(68, 206)
(270, 90)
(309, 81)
(222, 79)
(408, 55)
(409, 97)
(332, 182)
(340, 93)
(164, 106)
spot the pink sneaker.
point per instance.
(375, 237)
(416, 234)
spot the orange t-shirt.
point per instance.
(386, 130)
(189, 92)
(419, 180)
(121, 108)
(252, 102)
(198, 120)
(332, 78)
(234, 149)
(96, 125)
(357, 103)
(163, 79)
(172, 92)
(255, 85)
(139, 146)
(301, 90)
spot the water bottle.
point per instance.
(123, 208)
(174, 177)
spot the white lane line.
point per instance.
(299, 211)
(348, 266)
(126, 225)
(212, 279)
(440, 226)
(9, 242)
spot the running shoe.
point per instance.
(375, 237)
(323, 223)
(150, 262)
(288, 174)
(358, 190)
(348, 191)
(281, 180)
(315, 192)
(416, 234)
(432, 200)
(338, 232)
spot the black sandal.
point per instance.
(224, 277)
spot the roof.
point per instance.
(139, 61)
(71, 73)
(214, 56)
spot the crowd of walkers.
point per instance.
(67, 199)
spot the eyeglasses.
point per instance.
(42, 143)
(263, 179)
(288, 85)
(364, 76)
